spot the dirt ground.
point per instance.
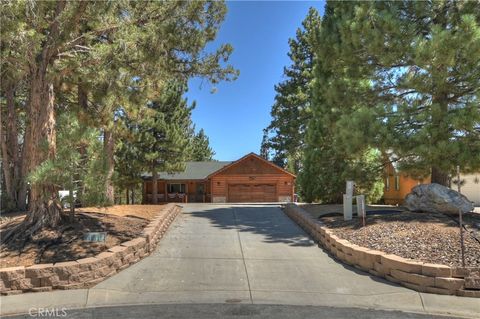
(142, 211)
(427, 237)
(120, 222)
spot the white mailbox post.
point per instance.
(347, 201)
(347, 207)
(361, 211)
(349, 190)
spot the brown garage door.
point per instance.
(241, 193)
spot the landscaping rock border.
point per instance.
(416, 275)
(87, 272)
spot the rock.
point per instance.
(435, 198)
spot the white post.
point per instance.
(349, 190)
(361, 211)
(347, 207)
(347, 201)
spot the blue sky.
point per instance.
(236, 114)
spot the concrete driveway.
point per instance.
(246, 254)
(249, 254)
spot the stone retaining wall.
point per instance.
(87, 272)
(419, 276)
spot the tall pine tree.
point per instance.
(291, 109)
(327, 163)
(162, 135)
(200, 147)
(421, 59)
(99, 52)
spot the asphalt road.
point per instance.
(210, 311)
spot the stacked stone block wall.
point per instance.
(87, 272)
(416, 275)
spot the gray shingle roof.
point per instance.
(193, 170)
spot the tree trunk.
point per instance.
(9, 147)
(72, 205)
(6, 164)
(133, 195)
(154, 187)
(439, 177)
(440, 133)
(39, 145)
(128, 199)
(109, 148)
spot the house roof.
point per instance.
(207, 169)
(248, 156)
(193, 170)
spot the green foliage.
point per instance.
(79, 164)
(107, 61)
(158, 138)
(285, 136)
(395, 77)
(200, 147)
(419, 63)
(328, 163)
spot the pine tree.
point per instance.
(421, 62)
(327, 163)
(162, 134)
(78, 165)
(290, 111)
(265, 146)
(104, 53)
(201, 150)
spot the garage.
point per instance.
(253, 193)
(249, 179)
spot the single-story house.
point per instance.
(249, 179)
(470, 187)
(397, 185)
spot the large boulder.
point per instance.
(436, 198)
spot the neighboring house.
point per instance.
(470, 187)
(249, 179)
(398, 184)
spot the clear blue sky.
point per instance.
(236, 114)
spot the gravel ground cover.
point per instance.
(427, 237)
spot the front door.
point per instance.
(200, 194)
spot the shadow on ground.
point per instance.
(275, 227)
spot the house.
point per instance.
(249, 179)
(398, 184)
(470, 187)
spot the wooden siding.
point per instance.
(251, 166)
(393, 195)
(284, 183)
(260, 181)
(257, 179)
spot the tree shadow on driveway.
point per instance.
(268, 221)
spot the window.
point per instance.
(176, 188)
(397, 182)
(387, 183)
